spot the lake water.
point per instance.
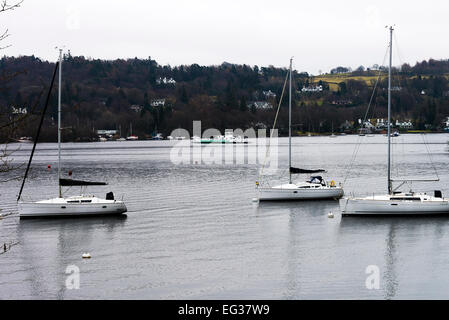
(193, 232)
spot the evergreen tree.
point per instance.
(243, 104)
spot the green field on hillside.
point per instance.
(334, 79)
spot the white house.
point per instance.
(446, 122)
(260, 105)
(106, 132)
(157, 103)
(269, 94)
(366, 124)
(312, 89)
(381, 124)
(346, 125)
(136, 108)
(19, 110)
(404, 124)
(166, 81)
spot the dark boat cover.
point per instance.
(299, 171)
(70, 182)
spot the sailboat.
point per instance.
(395, 202)
(333, 134)
(314, 188)
(82, 205)
(131, 136)
(120, 133)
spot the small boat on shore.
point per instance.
(25, 140)
(131, 136)
(228, 138)
(158, 136)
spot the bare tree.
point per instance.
(6, 123)
(7, 6)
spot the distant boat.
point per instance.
(228, 138)
(25, 140)
(131, 137)
(176, 138)
(364, 131)
(395, 202)
(103, 139)
(158, 136)
(333, 135)
(120, 132)
(314, 188)
(81, 205)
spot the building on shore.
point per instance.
(260, 105)
(157, 103)
(404, 124)
(318, 88)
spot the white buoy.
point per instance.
(330, 215)
(86, 256)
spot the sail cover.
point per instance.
(299, 171)
(70, 182)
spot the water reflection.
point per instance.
(389, 276)
(50, 245)
(193, 232)
(394, 231)
(298, 217)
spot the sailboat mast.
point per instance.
(389, 112)
(290, 125)
(59, 123)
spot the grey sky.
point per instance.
(320, 34)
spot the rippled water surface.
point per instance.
(193, 232)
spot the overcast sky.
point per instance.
(319, 34)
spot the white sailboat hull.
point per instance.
(275, 194)
(365, 206)
(62, 208)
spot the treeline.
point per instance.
(152, 98)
